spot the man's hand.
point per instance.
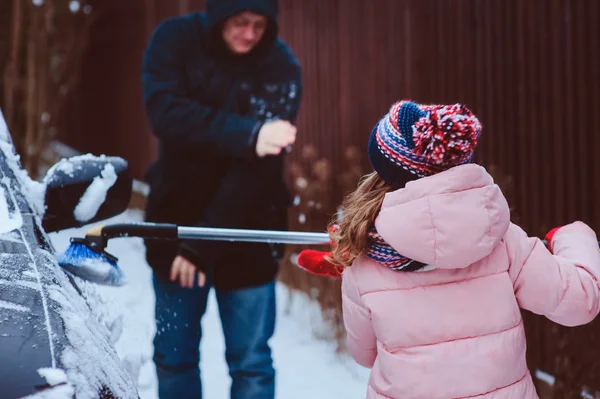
(185, 271)
(274, 136)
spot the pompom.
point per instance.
(447, 135)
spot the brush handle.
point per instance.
(165, 231)
(264, 236)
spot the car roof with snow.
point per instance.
(50, 339)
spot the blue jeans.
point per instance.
(248, 320)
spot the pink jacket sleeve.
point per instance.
(562, 286)
(360, 337)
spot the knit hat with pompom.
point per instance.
(414, 141)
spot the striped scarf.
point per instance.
(383, 253)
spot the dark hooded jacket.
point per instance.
(206, 106)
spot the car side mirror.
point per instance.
(85, 189)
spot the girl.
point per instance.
(438, 273)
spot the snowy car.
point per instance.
(52, 344)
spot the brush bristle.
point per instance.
(90, 265)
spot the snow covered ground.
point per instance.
(306, 366)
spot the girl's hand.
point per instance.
(315, 262)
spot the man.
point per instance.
(221, 93)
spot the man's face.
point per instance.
(243, 31)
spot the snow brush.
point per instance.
(87, 257)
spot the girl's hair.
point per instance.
(349, 229)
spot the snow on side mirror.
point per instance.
(85, 189)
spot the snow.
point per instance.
(53, 376)
(302, 218)
(140, 187)
(8, 222)
(13, 306)
(89, 359)
(95, 194)
(306, 366)
(74, 6)
(70, 165)
(87, 346)
(22, 283)
(13, 236)
(34, 191)
(38, 277)
(302, 182)
(65, 165)
(543, 376)
(65, 391)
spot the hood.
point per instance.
(217, 11)
(449, 220)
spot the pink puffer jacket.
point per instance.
(457, 331)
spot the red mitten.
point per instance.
(549, 237)
(314, 262)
